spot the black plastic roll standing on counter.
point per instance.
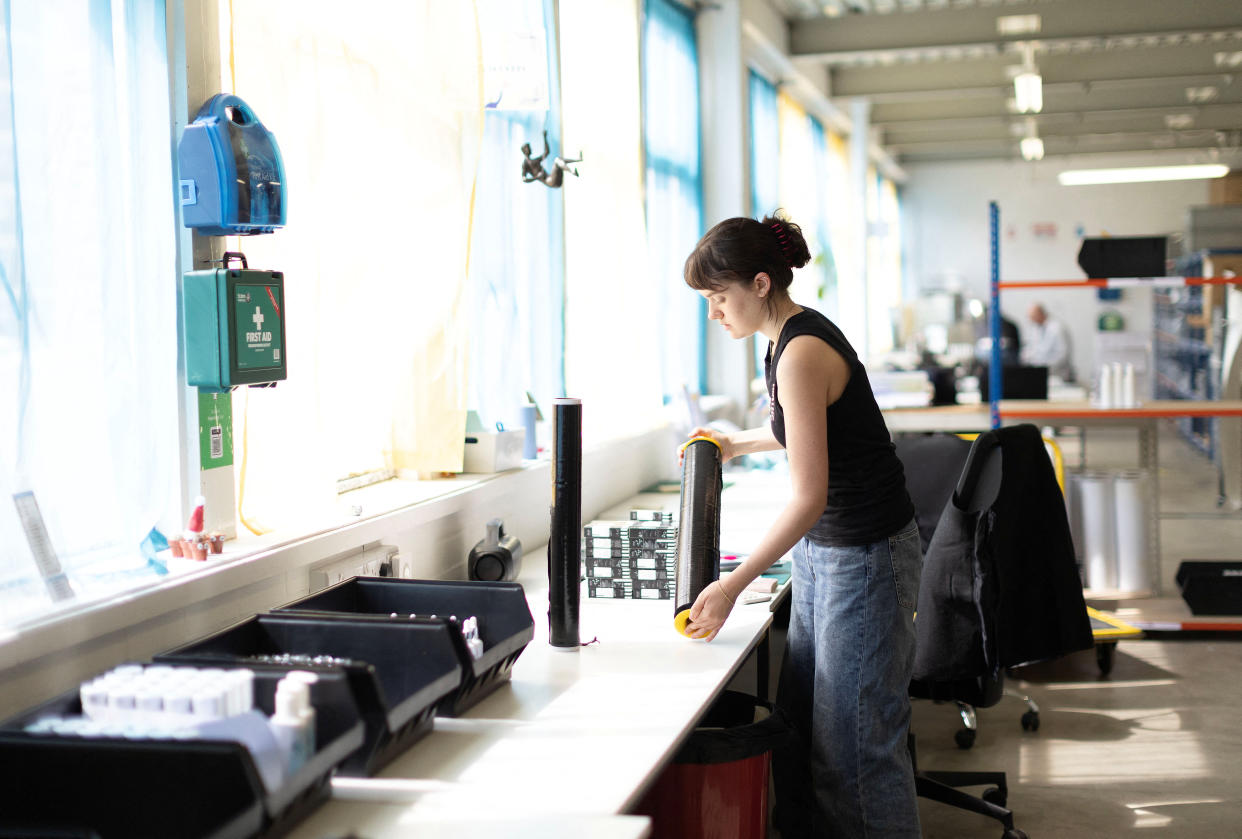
(698, 534)
(564, 547)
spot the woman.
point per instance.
(850, 523)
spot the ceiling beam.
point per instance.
(1063, 99)
(1214, 118)
(830, 38)
(902, 80)
(1056, 146)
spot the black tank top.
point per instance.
(867, 499)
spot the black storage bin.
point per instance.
(1211, 587)
(505, 622)
(1123, 256)
(398, 670)
(56, 785)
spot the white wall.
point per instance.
(945, 232)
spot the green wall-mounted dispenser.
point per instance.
(234, 327)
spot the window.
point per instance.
(765, 167)
(824, 260)
(380, 137)
(88, 346)
(791, 168)
(765, 147)
(516, 256)
(843, 234)
(612, 361)
(804, 188)
(674, 187)
(883, 260)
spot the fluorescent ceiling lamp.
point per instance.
(1140, 174)
(1032, 148)
(1028, 92)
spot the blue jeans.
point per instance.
(844, 686)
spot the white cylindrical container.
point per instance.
(1073, 511)
(1104, 388)
(209, 703)
(1118, 398)
(1097, 529)
(1129, 396)
(1130, 505)
(289, 723)
(94, 696)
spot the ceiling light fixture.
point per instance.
(1031, 146)
(1141, 174)
(1028, 86)
(1018, 24)
(1028, 92)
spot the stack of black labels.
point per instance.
(633, 558)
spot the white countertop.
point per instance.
(575, 736)
(376, 820)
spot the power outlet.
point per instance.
(374, 560)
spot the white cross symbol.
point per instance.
(258, 319)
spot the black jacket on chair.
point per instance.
(1000, 585)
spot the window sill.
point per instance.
(267, 570)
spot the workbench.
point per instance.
(572, 743)
(974, 418)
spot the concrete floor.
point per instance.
(1155, 748)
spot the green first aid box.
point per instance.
(234, 328)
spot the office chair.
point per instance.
(1000, 585)
(928, 460)
(930, 463)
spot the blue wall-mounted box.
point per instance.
(232, 178)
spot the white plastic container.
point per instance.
(1098, 523)
(493, 451)
(1104, 390)
(293, 724)
(1130, 502)
(1129, 395)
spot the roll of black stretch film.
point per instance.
(698, 534)
(564, 547)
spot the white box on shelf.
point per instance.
(493, 451)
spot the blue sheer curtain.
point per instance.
(765, 157)
(825, 264)
(674, 187)
(88, 339)
(516, 255)
(765, 147)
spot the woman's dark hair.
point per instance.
(737, 249)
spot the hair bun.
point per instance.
(792, 242)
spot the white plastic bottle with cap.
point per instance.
(1119, 400)
(306, 708)
(1104, 391)
(290, 723)
(1129, 396)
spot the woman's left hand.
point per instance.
(709, 612)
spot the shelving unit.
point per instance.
(1188, 346)
(1187, 298)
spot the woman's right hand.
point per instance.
(725, 441)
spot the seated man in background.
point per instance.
(1048, 344)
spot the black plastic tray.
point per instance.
(398, 671)
(505, 622)
(197, 789)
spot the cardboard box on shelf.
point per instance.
(1226, 190)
